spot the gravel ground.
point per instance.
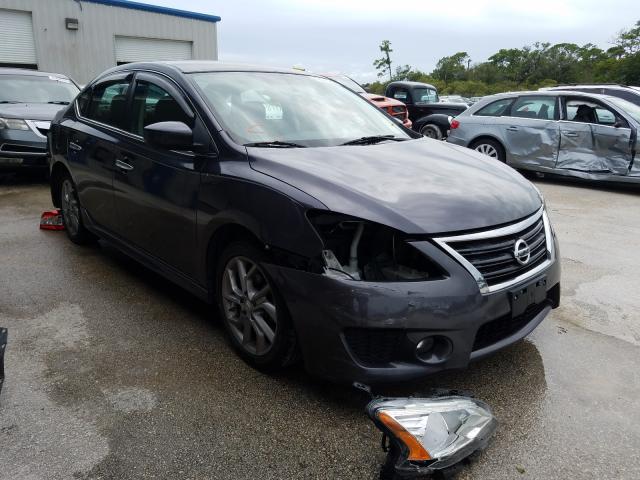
(113, 372)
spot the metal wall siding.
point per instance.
(16, 38)
(87, 52)
(130, 49)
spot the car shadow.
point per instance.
(23, 178)
(612, 187)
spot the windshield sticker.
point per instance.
(272, 112)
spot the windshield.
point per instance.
(425, 95)
(350, 84)
(630, 108)
(309, 111)
(36, 89)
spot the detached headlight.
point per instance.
(430, 434)
(13, 124)
(358, 249)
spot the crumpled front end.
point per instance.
(374, 332)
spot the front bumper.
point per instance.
(368, 332)
(22, 149)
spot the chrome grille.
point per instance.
(490, 255)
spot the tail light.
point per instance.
(454, 124)
(51, 220)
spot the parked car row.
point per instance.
(318, 225)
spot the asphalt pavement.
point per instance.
(115, 373)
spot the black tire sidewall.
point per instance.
(82, 236)
(281, 353)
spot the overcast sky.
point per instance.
(343, 35)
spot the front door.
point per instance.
(594, 138)
(155, 189)
(531, 132)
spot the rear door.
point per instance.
(93, 143)
(594, 137)
(531, 131)
(156, 190)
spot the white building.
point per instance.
(81, 38)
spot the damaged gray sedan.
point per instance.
(315, 222)
(589, 136)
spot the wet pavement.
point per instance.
(113, 372)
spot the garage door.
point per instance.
(132, 49)
(17, 45)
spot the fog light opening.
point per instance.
(434, 349)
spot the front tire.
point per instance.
(252, 310)
(71, 213)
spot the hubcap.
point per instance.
(488, 150)
(70, 208)
(249, 306)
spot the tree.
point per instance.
(451, 68)
(383, 64)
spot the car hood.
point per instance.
(30, 111)
(420, 186)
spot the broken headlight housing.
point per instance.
(361, 250)
(431, 434)
(13, 124)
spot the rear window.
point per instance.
(495, 109)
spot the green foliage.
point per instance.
(527, 68)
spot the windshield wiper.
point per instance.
(373, 139)
(8, 101)
(275, 144)
(59, 102)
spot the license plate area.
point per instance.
(530, 294)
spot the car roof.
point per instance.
(201, 66)
(590, 85)
(26, 71)
(546, 93)
(412, 84)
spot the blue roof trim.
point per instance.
(157, 9)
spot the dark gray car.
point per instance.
(28, 102)
(568, 133)
(315, 222)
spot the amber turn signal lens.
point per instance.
(416, 451)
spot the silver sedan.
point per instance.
(576, 134)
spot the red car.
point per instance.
(392, 106)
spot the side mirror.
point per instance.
(618, 124)
(169, 135)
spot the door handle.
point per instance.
(74, 146)
(512, 129)
(124, 166)
(570, 134)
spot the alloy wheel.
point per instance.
(70, 207)
(249, 305)
(487, 149)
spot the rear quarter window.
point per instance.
(495, 109)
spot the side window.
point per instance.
(584, 111)
(630, 96)
(108, 103)
(495, 109)
(84, 100)
(543, 108)
(401, 94)
(153, 104)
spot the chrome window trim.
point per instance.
(485, 288)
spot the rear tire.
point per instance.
(431, 131)
(490, 148)
(72, 213)
(252, 311)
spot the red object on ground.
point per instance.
(51, 220)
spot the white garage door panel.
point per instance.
(16, 37)
(131, 49)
